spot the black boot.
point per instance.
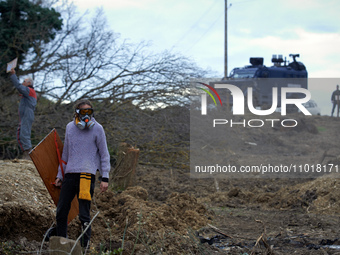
(85, 239)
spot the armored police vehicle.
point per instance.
(262, 79)
(280, 69)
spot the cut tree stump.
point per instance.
(124, 174)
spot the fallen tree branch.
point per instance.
(269, 249)
(218, 231)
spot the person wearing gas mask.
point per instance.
(85, 150)
(27, 106)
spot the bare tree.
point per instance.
(91, 61)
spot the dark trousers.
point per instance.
(69, 189)
(335, 105)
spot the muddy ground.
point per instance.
(167, 212)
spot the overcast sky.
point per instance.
(256, 28)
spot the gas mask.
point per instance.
(84, 118)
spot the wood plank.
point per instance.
(45, 159)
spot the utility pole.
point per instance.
(226, 40)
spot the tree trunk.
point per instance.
(124, 174)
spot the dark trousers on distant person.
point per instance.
(334, 106)
(70, 189)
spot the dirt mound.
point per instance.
(25, 205)
(141, 224)
(27, 212)
(131, 213)
(319, 196)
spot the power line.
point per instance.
(196, 23)
(206, 31)
(215, 21)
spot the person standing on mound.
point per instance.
(85, 151)
(335, 100)
(27, 106)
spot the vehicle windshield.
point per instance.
(243, 73)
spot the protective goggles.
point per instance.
(87, 111)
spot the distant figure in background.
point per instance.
(26, 112)
(335, 99)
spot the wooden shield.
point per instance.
(45, 159)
